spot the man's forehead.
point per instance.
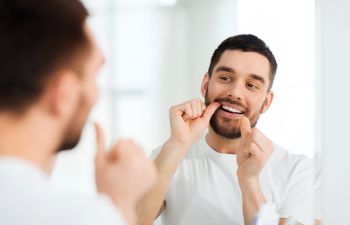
(248, 62)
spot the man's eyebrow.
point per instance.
(258, 77)
(225, 69)
(231, 70)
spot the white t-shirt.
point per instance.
(205, 189)
(27, 197)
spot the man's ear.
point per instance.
(63, 93)
(205, 83)
(267, 102)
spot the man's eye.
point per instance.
(252, 86)
(224, 78)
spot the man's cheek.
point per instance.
(91, 95)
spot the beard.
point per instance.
(71, 139)
(225, 127)
(73, 131)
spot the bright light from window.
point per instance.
(288, 27)
(167, 2)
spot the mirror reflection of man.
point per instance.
(226, 175)
(49, 62)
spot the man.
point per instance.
(225, 176)
(49, 61)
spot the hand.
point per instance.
(189, 120)
(254, 151)
(124, 173)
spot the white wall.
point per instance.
(197, 28)
(334, 73)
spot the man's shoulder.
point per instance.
(61, 206)
(28, 191)
(283, 153)
(284, 159)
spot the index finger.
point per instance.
(245, 127)
(210, 110)
(100, 140)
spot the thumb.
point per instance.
(210, 110)
(100, 142)
(245, 127)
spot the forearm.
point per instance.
(317, 222)
(166, 163)
(252, 198)
(125, 206)
(128, 213)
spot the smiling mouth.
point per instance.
(231, 110)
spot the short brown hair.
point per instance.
(245, 43)
(37, 37)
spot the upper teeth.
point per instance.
(231, 109)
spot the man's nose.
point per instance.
(235, 90)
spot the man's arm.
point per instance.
(317, 222)
(188, 122)
(255, 150)
(152, 204)
(253, 199)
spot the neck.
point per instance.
(29, 138)
(222, 144)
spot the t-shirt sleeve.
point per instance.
(298, 202)
(103, 211)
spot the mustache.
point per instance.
(229, 100)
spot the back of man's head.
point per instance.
(37, 38)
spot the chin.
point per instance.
(227, 131)
(69, 143)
